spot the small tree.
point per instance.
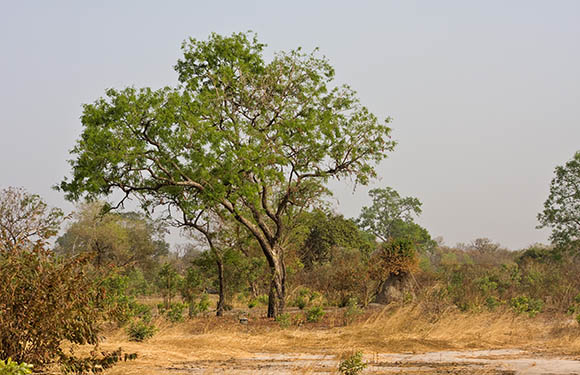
(562, 208)
(25, 220)
(169, 282)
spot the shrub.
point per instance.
(50, 300)
(524, 304)
(140, 331)
(261, 300)
(492, 303)
(352, 311)
(578, 318)
(284, 320)
(9, 367)
(315, 314)
(353, 365)
(198, 307)
(175, 312)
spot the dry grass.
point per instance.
(406, 329)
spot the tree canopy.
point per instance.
(247, 135)
(562, 208)
(126, 239)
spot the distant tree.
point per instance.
(251, 137)
(328, 233)
(387, 211)
(484, 245)
(391, 216)
(25, 220)
(120, 239)
(562, 208)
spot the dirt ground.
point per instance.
(394, 341)
(500, 361)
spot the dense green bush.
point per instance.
(140, 330)
(284, 320)
(524, 304)
(175, 312)
(9, 367)
(315, 314)
(353, 365)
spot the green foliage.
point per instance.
(284, 320)
(261, 300)
(175, 312)
(562, 208)
(352, 311)
(524, 304)
(329, 233)
(140, 330)
(98, 362)
(200, 306)
(123, 240)
(388, 210)
(9, 367)
(117, 303)
(239, 133)
(492, 302)
(305, 297)
(353, 365)
(315, 314)
(168, 282)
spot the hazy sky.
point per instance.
(485, 95)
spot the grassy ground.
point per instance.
(384, 330)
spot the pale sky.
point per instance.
(485, 95)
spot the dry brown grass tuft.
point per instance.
(405, 329)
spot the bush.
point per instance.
(315, 314)
(46, 299)
(261, 300)
(9, 367)
(523, 304)
(352, 365)
(352, 311)
(175, 312)
(284, 320)
(492, 303)
(140, 331)
(201, 306)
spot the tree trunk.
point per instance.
(277, 296)
(222, 294)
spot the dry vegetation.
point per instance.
(381, 330)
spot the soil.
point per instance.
(504, 361)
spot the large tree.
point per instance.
(562, 208)
(250, 136)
